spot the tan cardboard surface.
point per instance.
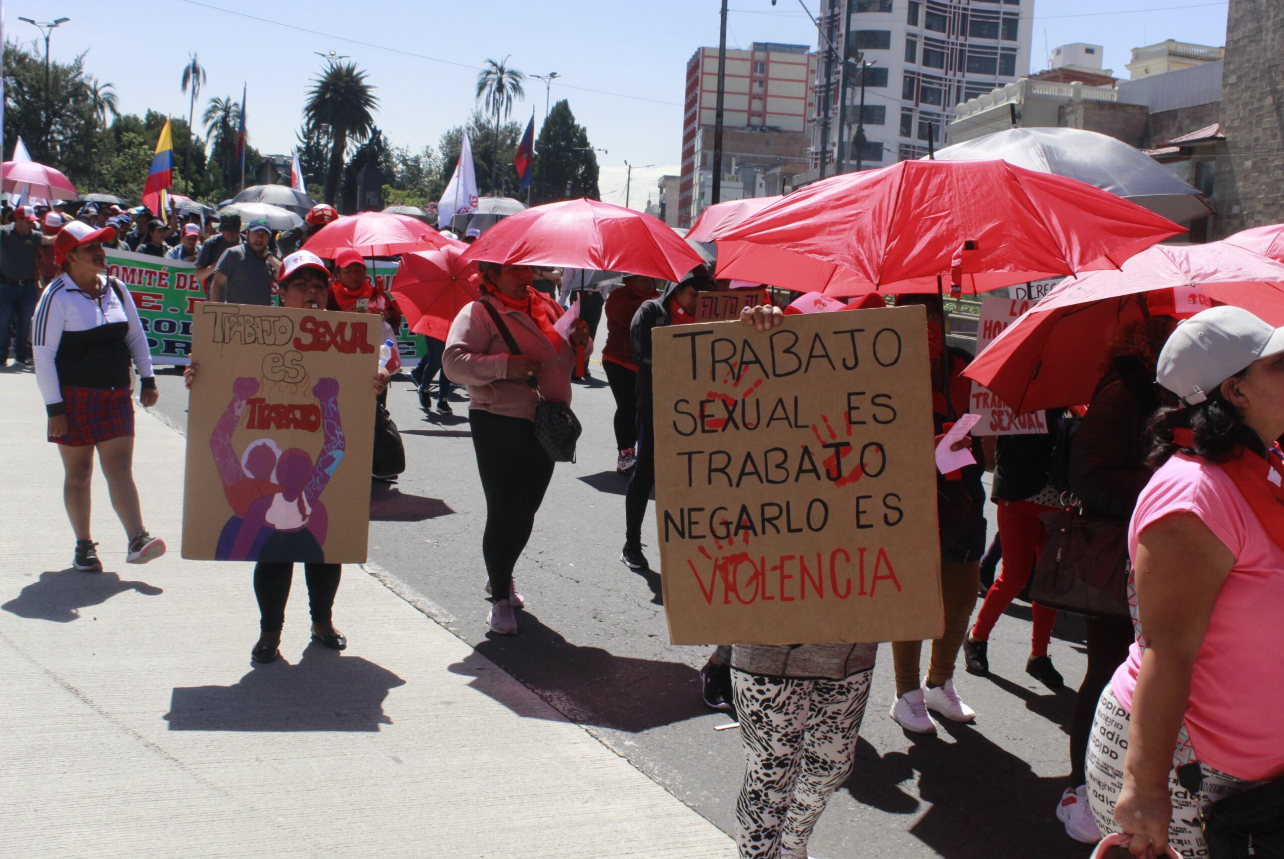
(280, 434)
(795, 483)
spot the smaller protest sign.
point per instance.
(714, 306)
(280, 435)
(996, 418)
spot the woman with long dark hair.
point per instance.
(1195, 713)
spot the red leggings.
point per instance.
(1021, 533)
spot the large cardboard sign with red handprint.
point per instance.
(795, 482)
(280, 435)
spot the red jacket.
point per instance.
(621, 305)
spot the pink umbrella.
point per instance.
(1051, 356)
(41, 181)
(1267, 241)
(374, 234)
(431, 287)
(721, 217)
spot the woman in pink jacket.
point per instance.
(503, 390)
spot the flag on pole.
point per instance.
(240, 137)
(296, 175)
(161, 176)
(18, 196)
(525, 154)
(460, 196)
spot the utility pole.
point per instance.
(860, 120)
(717, 114)
(843, 143)
(46, 28)
(826, 102)
(548, 86)
(628, 181)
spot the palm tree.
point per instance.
(102, 97)
(221, 118)
(497, 87)
(193, 80)
(341, 100)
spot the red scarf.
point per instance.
(678, 316)
(347, 299)
(534, 305)
(1261, 482)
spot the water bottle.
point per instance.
(385, 354)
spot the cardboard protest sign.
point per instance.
(280, 435)
(996, 417)
(166, 292)
(727, 305)
(795, 483)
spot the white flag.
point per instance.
(296, 175)
(460, 196)
(20, 192)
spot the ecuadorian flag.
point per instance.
(161, 177)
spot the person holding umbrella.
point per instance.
(1195, 713)
(504, 389)
(87, 331)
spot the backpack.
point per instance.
(389, 452)
(1059, 466)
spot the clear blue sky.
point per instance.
(638, 48)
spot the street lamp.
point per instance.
(332, 57)
(548, 85)
(629, 179)
(46, 29)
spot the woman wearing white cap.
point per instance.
(84, 334)
(1196, 712)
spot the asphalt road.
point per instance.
(594, 644)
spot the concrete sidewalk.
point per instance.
(134, 725)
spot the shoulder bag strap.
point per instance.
(505, 333)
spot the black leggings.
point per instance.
(272, 589)
(515, 472)
(642, 481)
(624, 384)
(1108, 640)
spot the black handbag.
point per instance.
(389, 451)
(1249, 825)
(556, 426)
(1084, 565)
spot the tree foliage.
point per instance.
(342, 100)
(564, 155)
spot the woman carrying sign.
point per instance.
(1195, 713)
(303, 284)
(85, 332)
(515, 471)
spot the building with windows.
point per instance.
(1171, 56)
(667, 199)
(766, 96)
(920, 59)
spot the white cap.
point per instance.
(300, 260)
(472, 233)
(191, 230)
(1212, 346)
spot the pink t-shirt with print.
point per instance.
(1236, 711)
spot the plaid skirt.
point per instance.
(95, 415)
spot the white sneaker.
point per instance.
(944, 700)
(516, 599)
(910, 713)
(1074, 812)
(501, 618)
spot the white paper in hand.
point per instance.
(952, 460)
(563, 325)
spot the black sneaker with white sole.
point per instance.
(143, 548)
(633, 558)
(86, 557)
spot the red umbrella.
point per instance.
(720, 217)
(41, 181)
(1051, 355)
(920, 219)
(590, 235)
(1267, 241)
(431, 287)
(374, 234)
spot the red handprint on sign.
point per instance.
(842, 449)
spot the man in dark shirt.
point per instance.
(154, 245)
(229, 236)
(19, 282)
(245, 273)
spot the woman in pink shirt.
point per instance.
(1207, 543)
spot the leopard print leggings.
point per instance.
(800, 743)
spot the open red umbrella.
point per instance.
(923, 219)
(720, 217)
(1267, 241)
(41, 181)
(431, 287)
(374, 234)
(1052, 354)
(590, 235)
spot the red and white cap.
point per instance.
(78, 233)
(347, 257)
(25, 213)
(192, 230)
(298, 261)
(322, 213)
(53, 221)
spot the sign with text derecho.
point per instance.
(280, 435)
(795, 485)
(996, 416)
(167, 293)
